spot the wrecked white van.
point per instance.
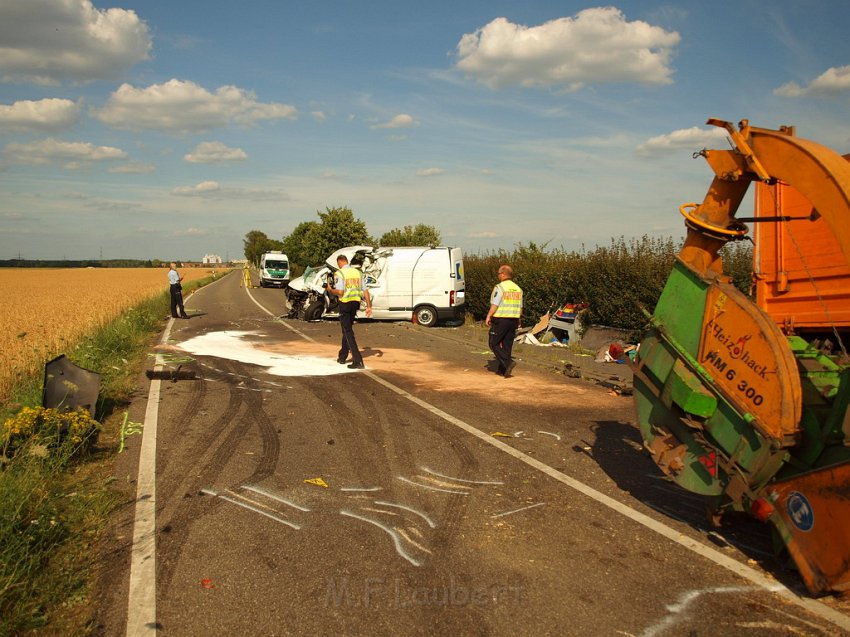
(424, 284)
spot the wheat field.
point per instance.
(45, 312)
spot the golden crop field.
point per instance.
(45, 311)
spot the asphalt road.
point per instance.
(424, 496)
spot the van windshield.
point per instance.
(277, 265)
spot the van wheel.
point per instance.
(262, 283)
(314, 311)
(426, 315)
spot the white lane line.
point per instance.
(531, 506)
(742, 570)
(396, 541)
(141, 599)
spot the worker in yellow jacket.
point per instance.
(504, 318)
(348, 286)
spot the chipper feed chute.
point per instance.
(747, 402)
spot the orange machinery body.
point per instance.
(750, 402)
(802, 279)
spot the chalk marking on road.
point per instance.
(730, 564)
(440, 475)
(425, 486)
(382, 511)
(269, 494)
(503, 514)
(396, 540)
(412, 541)
(361, 489)
(549, 433)
(250, 507)
(440, 483)
(678, 610)
(430, 522)
(141, 598)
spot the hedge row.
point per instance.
(616, 281)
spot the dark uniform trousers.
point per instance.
(177, 300)
(346, 321)
(502, 334)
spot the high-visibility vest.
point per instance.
(511, 305)
(351, 284)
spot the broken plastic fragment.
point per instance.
(317, 481)
(499, 434)
(207, 583)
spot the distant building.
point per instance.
(211, 258)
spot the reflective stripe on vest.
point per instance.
(511, 305)
(351, 283)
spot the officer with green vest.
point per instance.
(348, 286)
(503, 319)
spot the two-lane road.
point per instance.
(426, 495)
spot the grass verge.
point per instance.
(53, 506)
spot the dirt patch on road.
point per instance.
(429, 373)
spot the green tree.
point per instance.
(257, 243)
(294, 243)
(337, 228)
(419, 235)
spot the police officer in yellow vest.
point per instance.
(503, 318)
(348, 286)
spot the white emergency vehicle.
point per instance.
(274, 269)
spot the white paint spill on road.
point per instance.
(233, 345)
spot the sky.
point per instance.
(170, 129)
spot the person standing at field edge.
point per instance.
(503, 319)
(174, 279)
(348, 286)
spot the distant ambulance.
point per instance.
(274, 269)
(424, 284)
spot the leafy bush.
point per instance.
(618, 281)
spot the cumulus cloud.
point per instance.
(183, 106)
(214, 153)
(684, 139)
(319, 116)
(833, 82)
(70, 155)
(47, 42)
(596, 46)
(402, 120)
(214, 190)
(48, 115)
(429, 172)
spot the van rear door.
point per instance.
(457, 275)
